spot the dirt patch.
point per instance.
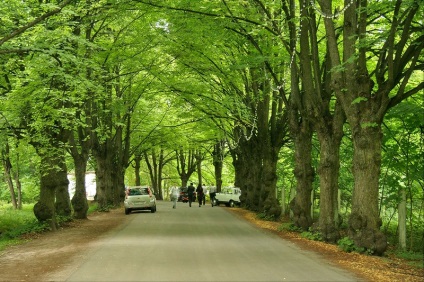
(50, 252)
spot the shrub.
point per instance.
(346, 244)
(315, 236)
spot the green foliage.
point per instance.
(414, 259)
(264, 216)
(14, 223)
(312, 235)
(346, 244)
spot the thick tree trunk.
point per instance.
(51, 178)
(364, 221)
(329, 167)
(137, 166)
(79, 200)
(104, 182)
(63, 201)
(118, 184)
(304, 174)
(249, 170)
(270, 204)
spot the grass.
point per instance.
(15, 223)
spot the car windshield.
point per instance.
(138, 191)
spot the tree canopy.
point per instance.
(284, 99)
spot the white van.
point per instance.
(230, 196)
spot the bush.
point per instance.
(315, 236)
(346, 244)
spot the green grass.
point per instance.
(15, 223)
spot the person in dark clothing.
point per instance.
(212, 193)
(199, 191)
(190, 192)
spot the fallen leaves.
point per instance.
(370, 268)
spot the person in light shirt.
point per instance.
(174, 196)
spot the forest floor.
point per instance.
(42, 254)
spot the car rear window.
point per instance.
(138, 191)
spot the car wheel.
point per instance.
(216, 203)
(127, 211)
(153, 209)
(231, 204)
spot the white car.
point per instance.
(230, 196)
(139, 198)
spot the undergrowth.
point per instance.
(16, 223)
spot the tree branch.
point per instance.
(34, 22)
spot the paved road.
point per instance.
(198, 244)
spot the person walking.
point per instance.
(212, 194)
(174, 196)
(190, 192)
(205, 191)
(199, 191)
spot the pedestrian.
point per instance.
(212, 194)
(205, 190)
(174, 196)
(190, 193)
(199, 191)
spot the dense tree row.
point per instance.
(116, 83)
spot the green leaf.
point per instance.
(359, 100)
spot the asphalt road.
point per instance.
(198, 244)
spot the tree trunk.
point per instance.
(186, 165)
(270, 204)
(199, 168)
(328, 170)
(218, 156)
(402, 220)
(304, 174)
(118, 183)
(63, 201)
(364, 221)
(137, 166)
(51, 178)
(7, 165)
(104, 182)
(79, 200)
(247, 166)
(18, 188)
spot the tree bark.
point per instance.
(63, 201)
(270, 204)
(328, 171)
(364, 221)
(7, 166)
(79, 200)
(53, 175)
(402, 219)
(304, 174)
(137, 166)
(218, 156)
(104, 181)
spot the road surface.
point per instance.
(196, 244)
